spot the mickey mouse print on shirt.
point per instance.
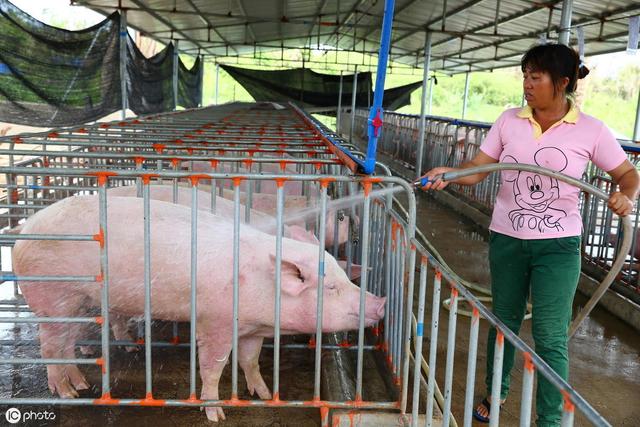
(535, 194)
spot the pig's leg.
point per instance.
(121, 331)
(58, 341)
(213, 353)
(248, 357)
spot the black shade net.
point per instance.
(54, 77)
(311, 89)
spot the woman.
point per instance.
(536, 226)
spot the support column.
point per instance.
(431, 88)
(339, 112)
(565, 22)
(201, 81)
(423, 102)
(217, 81)
(466, 95)
(636, 128)
(123, 61)
(354, 89)
(176, 59)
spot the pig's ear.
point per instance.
(299, 233)
(356, 269)
(293, 281)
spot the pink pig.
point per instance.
(170, 284)
(267, 203)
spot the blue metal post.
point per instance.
(375, 113)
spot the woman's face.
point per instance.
(538, 88)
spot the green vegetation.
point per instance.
(611, 99)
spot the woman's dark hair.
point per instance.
(559, 61)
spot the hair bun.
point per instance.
(583, 71)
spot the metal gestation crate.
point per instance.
(41, 169)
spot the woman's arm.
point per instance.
(480, 159)
(626, 176)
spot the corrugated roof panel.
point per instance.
(244, 21)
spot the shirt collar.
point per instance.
(571, 117)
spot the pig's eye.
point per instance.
(331, 286)
(300, 277)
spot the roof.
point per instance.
(467, 35)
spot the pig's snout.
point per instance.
(374, 310)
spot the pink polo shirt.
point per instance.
(534, 206)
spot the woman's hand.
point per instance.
(433, 183)
(620, 204)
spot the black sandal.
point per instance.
(487, 405)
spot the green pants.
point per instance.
(547, 270)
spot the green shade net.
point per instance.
(54, 77)
(311, 89)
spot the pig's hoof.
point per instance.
(86, 350)
(131, 348)
(261, 389)
(76, 378)
(64, 388)
(215, 413)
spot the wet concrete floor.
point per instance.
(604, 354)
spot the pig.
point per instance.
(267, 203)
(224, 208)
(260, 220)
(170, 284)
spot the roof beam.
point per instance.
(209, 23)
(249, 27)
(165, 22)
(534, 33)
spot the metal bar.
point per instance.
(339, 110)
(564, 33)
(278, 279)
(194, 290)
(236, 288)
(364, 275)
(123, 61)
(354, 89)
(48, 319)
(636, 127)
(419, 340)
(320, 302)
(191, 403)
(423, 103)
(471, 367)
(8, 276)
(466, 95)
(61, 237)
(176, 70)
(217, 82)
(451, 345)
(104, 273)
(527, 391)
(433, 347)
(147, 287)
(496, 383)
